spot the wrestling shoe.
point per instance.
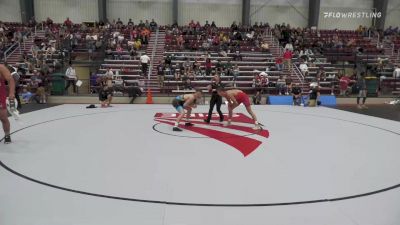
(221, 119)
(188, 124)
(206, 120)
(176, 129)
(7, 139)
(228, 123)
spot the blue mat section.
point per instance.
(281, 100)
(326, 100)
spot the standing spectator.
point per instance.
(168, 61)
(287, 59)
(160, 74)
(236, 73)
(153, 25)
(68, 23)
(296, 93)
(71, 78)
(279, 63)
(344, 85)
(144, 60)
(362, 91)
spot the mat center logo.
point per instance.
(239, 135)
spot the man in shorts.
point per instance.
(182, 103)
(6, 76)
(362, 92)
(235, 97)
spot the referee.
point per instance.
(215, 98)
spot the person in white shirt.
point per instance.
(144, 60)
(70, 74)
(304, 68)
(289, 46)
(396, 72)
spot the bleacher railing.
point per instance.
(11, 50)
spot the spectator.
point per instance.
(296, 93)
(287, 59)
(153, 25)
(237, 56)
(187, 66)
(160, 73)
(396, 72)
(71, 78)
(144, 60)
(130, 23)
(362, 91)
(313, 96)
(208, 66)
(304, 68)
(279, 63)
(179, 40)
(257, 98)
(68, 23)
(265, 47)
(344, 85)
(236, 73)
(281, 85)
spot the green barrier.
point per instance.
(58, 83)
(372, 86)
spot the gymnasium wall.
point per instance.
(160, 10)
(393, 14)
(223, 12)
(58, 10)
(10, 11)
(293, 12)
(344, 6)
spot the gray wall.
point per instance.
(10, 11)
(344, 6)
(393, 14)
(276, 11)
(77, 10)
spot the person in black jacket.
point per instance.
(215, 98)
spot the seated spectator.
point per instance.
(119, 51)
(304, 68)
(289, 47)
(213, 24)
(265, 46)
(281, 85)
(396, 72)
(257, 98)
(179, 40)
(187, 66)
(208, 66)
(237, 56)
(296, 93)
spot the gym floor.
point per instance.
(125, 165)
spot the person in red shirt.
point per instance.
(279, 63)
(287, 59)
(235, 97)
(68, 22)
(344, 85)
(192, 24)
